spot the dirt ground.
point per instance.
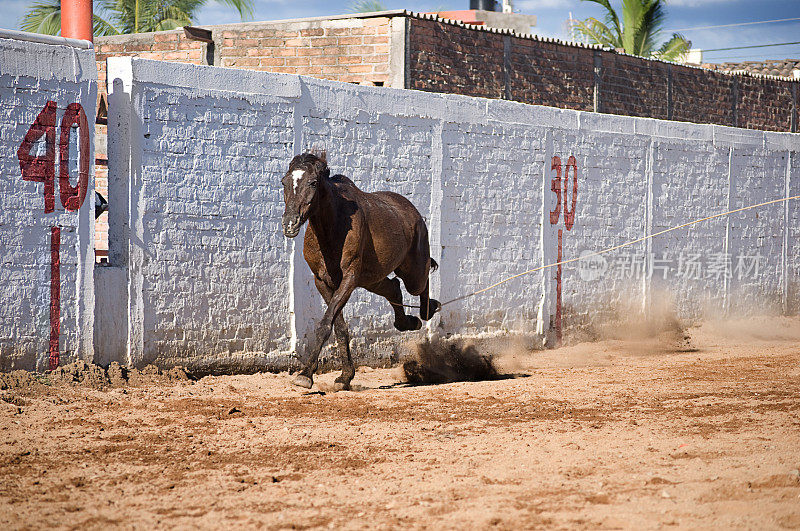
(637, 433)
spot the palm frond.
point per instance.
(170, 24)
(611, 18)
(597, 32)
(366, 6)
(102, 28)
(244, 7)
(632, 11)
(674, 49)
(44, 16)
(129, 16)
(649, 30)
(638, 33)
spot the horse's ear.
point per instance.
(322, 163)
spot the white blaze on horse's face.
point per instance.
(296, 176)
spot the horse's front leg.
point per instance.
(342, 339)
(338, 300)
(342, 382)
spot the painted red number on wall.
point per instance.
(72, 197)
(42, 169)
(569, 213)
(555, 186)
(569, 219)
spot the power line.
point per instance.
(738, 24)
(752, 46)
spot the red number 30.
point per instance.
(42, 169)
(555, 186)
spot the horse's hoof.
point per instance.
(411, 323)
(433, 307)
(303, 381)
(341, 386)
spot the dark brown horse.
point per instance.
(354, 240)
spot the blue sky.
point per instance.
(552, 15)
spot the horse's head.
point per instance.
(300, 186)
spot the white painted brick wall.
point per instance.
(31, 74)
(218, 285)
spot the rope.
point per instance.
(610, 249)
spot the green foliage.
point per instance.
(638, 31)
(127, 16)
(367, 6)
(44, 16)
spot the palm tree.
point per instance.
(127, 16)
(44, 16)
(639, 32)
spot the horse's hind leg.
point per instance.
(343, 346)
(415, 272)
(427, 306)
(390, 289)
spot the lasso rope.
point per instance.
(608, 250)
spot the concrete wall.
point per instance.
(214, 285)
(46, 260)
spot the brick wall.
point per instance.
(46, 296)
(353, 50)
(447, 58)
(633, 87)
(764, 104)
(101, 186)
(550, 74)
(171, 45)
(701, 96)
(452, 58)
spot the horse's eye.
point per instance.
(313, 184)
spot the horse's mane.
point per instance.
(316, 159)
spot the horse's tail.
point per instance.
(434, 265)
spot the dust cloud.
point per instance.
(438, 361)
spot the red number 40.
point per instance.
(42, 169)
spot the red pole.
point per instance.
(76, 19)
(55, 295)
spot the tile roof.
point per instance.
(772, 67)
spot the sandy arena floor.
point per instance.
(612, 434)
